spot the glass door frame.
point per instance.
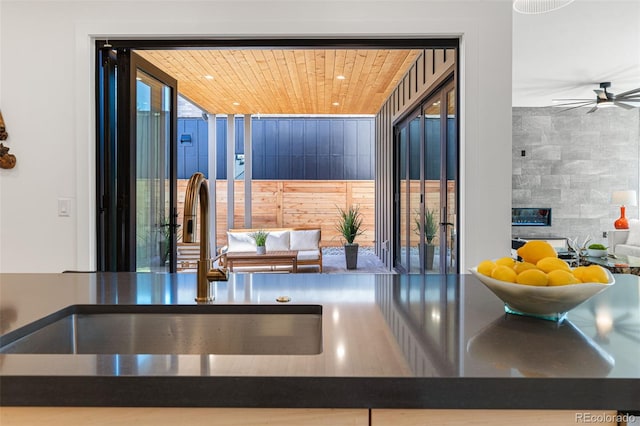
(448, 170)
(402, 261)
(445, 171)
(116, 157)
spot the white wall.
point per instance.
(47, 99)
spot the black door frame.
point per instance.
(116, 156)
(115, 222)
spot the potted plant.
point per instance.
(349, 227)
(164, 242)
(260, 237)
(597, 250)
(430, 231)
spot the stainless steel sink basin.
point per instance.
(172, 329)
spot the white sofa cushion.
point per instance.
(628, 250)
(278, 241)
(633, 239)
(305, 239)
(240, 241)
(308, 254)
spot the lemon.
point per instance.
(506, 261)
(595, 274)
(534, 250)
(532, 277)
(562, 277)
(520, 267)
(579, 272)
(549, 264)
(485, 267)
(504, 273)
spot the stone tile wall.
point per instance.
(573, 162)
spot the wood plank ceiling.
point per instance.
(278, 81)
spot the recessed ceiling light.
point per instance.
(335, 103)
(208, 77)
(236, 103)
(341, 77)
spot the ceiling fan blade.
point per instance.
(594, 109)
(578, 101)
(629, 92)
(572, 99)
(627, 98)
(623, 105)
(601, 94)
(577, 106)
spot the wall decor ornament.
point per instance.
(7, 161)
(3, 130)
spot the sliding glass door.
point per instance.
(426, 186)
(153, 180)
(449, 218)
(408, 191)
(136, 164)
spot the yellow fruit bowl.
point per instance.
(546, 302)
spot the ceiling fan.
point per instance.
(627, 100)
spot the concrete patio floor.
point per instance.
(333, 262)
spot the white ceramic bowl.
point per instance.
(596, 253)
(550, 302)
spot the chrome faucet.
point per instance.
(198, 188)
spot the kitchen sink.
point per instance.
(172, 329)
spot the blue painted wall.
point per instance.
(310, 148)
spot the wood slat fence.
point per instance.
(293, 203)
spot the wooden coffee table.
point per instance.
(270, 259)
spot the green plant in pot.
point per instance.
(430, 230)
(349, 226)
(597, 250)
(260, 237)
(164, 241)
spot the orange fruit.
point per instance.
(534, 250)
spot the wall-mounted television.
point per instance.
(530, 216)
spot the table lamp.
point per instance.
(623, 199)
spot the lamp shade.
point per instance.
(624, 198)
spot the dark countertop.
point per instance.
(389, 341)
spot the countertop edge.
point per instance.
(322, 392)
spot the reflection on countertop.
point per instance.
(378, 331)
(538, 348)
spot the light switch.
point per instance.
(64, 207)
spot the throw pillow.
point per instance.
(278, 241)
(633, 239)
(305, 240)
(240, 241)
